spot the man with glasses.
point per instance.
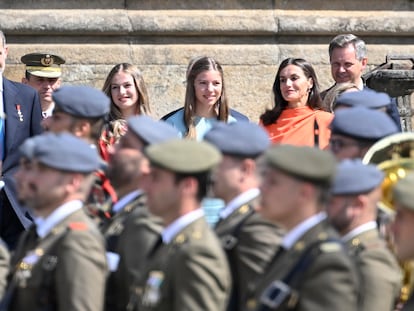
(355, 130)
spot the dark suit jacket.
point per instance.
(18, 126)
(257, 241)
(329, 283)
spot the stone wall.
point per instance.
(249, 38)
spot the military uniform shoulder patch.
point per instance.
(330, 247)
(244, 209)
(78, 226)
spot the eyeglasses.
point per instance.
(338, 144)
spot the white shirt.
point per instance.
(120, 205)
(297, 232)
(358, 230)
(45, 225)
(238, 201)
(180, 223)
(48, 112)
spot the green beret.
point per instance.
(306, 163)
(184, 156)
(403, 191)
(43, 64)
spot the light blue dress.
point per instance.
(211, 206)
(202, 124)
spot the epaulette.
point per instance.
(78, 226)
(244, 209)
(357, 246)
(330, 247)
(183, 238)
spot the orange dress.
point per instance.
(296, 126)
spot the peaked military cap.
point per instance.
(43, 64)
(151, 131)
(366, 98)
(354, 177)
(362, 123)
(242, 139)
(184, 156)
(403, 191)
(302, 162)
(81, 101)
(61, 151)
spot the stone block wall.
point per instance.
(248, 37)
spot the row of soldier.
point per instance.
(285, 256)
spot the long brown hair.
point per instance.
(143, 101)
(314, 100)
(196, 66)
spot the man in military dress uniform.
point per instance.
(60, 263)
(190, 271)
(132, 231)
(312, 271)
(43, 73)
(355, 130)
(353, 212)
(403, 227)
(80, 110)
(248, 239)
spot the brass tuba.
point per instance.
(394, 155)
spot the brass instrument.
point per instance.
(394, 155)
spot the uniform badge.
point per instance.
(47, 61)
(152, 293)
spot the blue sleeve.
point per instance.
(392, 111)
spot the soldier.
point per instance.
(366, 98)
(190, 271)
(355, 130)
(312, 271)
(60, 262)
(353, 211)
(403, 227)
(348, 59)
(43, 73)
(81, 110)
(248, 239)
(132, 231)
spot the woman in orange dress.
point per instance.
(297, 117)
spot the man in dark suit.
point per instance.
(248, 240)
(348, 59)
(21, 111)
(313, 272)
